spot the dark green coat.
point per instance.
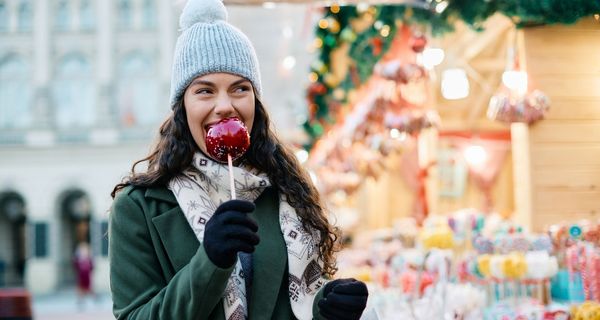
(159, 270)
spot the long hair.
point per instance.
(175, 148)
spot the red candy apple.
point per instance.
(228, 136)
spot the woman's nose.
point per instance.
(224, 107)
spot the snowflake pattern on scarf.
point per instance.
(205, 185)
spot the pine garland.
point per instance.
(368, 46)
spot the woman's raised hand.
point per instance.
(230, 230)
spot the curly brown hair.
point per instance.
(175, 148)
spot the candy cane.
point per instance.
(584, 272)
(594, 275)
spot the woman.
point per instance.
(179, 247)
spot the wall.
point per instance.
(564, 62)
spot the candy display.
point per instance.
(459, 267)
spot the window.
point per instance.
(25, 16)
(125, 15)
(3, 16)
(74, 93)
(149, 17)
(104, 237)
(86, 13)
(15, 93)
(62, 19)
(137, 91)
(40, 234)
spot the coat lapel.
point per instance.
(175, 233)
(270, 257)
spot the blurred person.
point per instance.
(180, 248)
(83, 264)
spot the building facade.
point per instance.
(82, 89)
(84, 85)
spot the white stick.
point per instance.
(229, 162)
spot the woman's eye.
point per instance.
(242, 89)
(203, 91)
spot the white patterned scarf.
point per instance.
(205, 185)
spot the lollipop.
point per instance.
(226, 141)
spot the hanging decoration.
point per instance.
(388, 112)
(508, 107)
(350, 40)
(514, 101)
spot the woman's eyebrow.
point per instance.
(239, 82)
(202, 82)
(212, 84)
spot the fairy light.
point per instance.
(302, 155)
(318, 43)
(396, 134)
(323, 23)
(441, 6)
(362, 7)
(335, 8)
(313, 77)
(385, 31)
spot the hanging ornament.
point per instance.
(377, 46)
(418, 43)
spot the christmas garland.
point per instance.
(341, 26)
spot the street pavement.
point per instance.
(64, 305)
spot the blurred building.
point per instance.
(83, 87)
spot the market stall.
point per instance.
(456, 147)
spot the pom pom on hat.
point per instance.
(206, 11)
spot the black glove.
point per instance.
(230, 231)
(343, 299)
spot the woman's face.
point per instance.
(212, 97)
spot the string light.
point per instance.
(318, 43)
(385, 31)
(302, 155)
(323, 23)
(335, 8)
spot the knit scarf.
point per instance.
(205, 185)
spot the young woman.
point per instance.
(180, 248)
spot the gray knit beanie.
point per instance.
(209, 44)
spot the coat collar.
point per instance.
(161, 193)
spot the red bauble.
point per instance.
(418, 43)
(228, 136)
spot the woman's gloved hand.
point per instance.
(230, 231)
(343, 299)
